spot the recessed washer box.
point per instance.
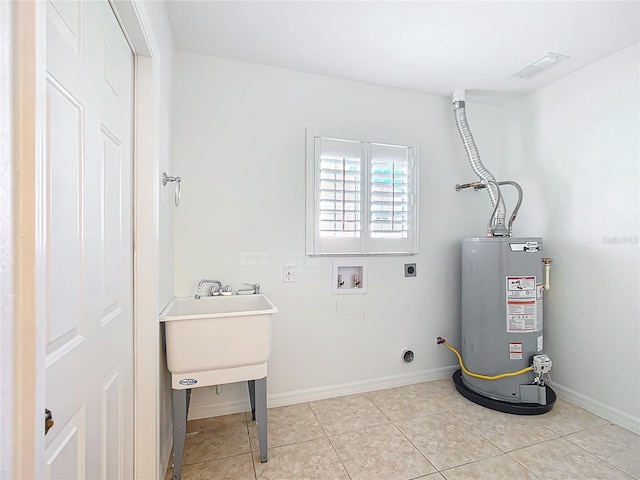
(349, 277)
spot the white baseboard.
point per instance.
(321, 393)
(605, 411)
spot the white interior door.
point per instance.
(85, 255)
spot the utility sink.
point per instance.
(217, 340)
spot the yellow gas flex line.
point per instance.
(477, 375)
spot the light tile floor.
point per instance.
(425, 431)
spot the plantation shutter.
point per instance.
(361, 196)
(390, 191)
(339, 195)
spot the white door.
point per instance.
(85, 256)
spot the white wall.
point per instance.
(239, 138)
(573, 145)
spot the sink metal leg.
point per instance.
(261, 416)
(252, 397)
(181, 400)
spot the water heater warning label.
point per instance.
(515, 350)
(522, 311)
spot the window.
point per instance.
(361, 195)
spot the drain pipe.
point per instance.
(498, 227)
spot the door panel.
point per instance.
(87, 255)
(65, 205)
(65, 455)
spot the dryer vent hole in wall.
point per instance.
(408, 356)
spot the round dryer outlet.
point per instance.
(408, 356)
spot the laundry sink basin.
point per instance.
(216, 340)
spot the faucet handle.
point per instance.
(256, 287)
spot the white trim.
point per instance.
(612, 414)
(129, 18)
(29, 97)
(146, 291)
(146, 350)
(6, 245)
(321, 393)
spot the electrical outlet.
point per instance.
(288, 273)
(409, 269)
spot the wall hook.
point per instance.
(168, 179)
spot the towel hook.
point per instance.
(167, 179)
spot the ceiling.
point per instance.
(426, 46)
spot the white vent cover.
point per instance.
(540, 65)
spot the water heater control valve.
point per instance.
(541, 364)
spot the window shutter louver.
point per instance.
(340, 190)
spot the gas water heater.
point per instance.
(502, 360)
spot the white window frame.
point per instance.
(365, 244)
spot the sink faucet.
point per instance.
(202, 282)
(256, 287)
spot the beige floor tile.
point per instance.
(313, 460)
(613, 444)
(559, 459)
(507, 431)
(446, 440)
(346, 414)
(287, 425)
(217, 437)
(441, 395)
(565, 418)
(216, 423)
(239, 467)
(404, 403)
(501, 467)
(380, 453)
(444, 390)
(459, 437)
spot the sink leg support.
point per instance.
(181, 400)
(252, 398)
(258, 399)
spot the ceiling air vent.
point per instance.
(540, 65)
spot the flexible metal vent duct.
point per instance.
(498, 226)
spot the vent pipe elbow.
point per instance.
(459, 96)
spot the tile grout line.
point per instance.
(414, 445)
(478, 432)
(333, 447)
(600, 459)
(253, 460)
(547, 441)
(524, 466)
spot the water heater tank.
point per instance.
(502, 319)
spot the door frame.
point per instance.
(23, 331)
(6, 242)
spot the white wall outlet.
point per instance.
(288, 273)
